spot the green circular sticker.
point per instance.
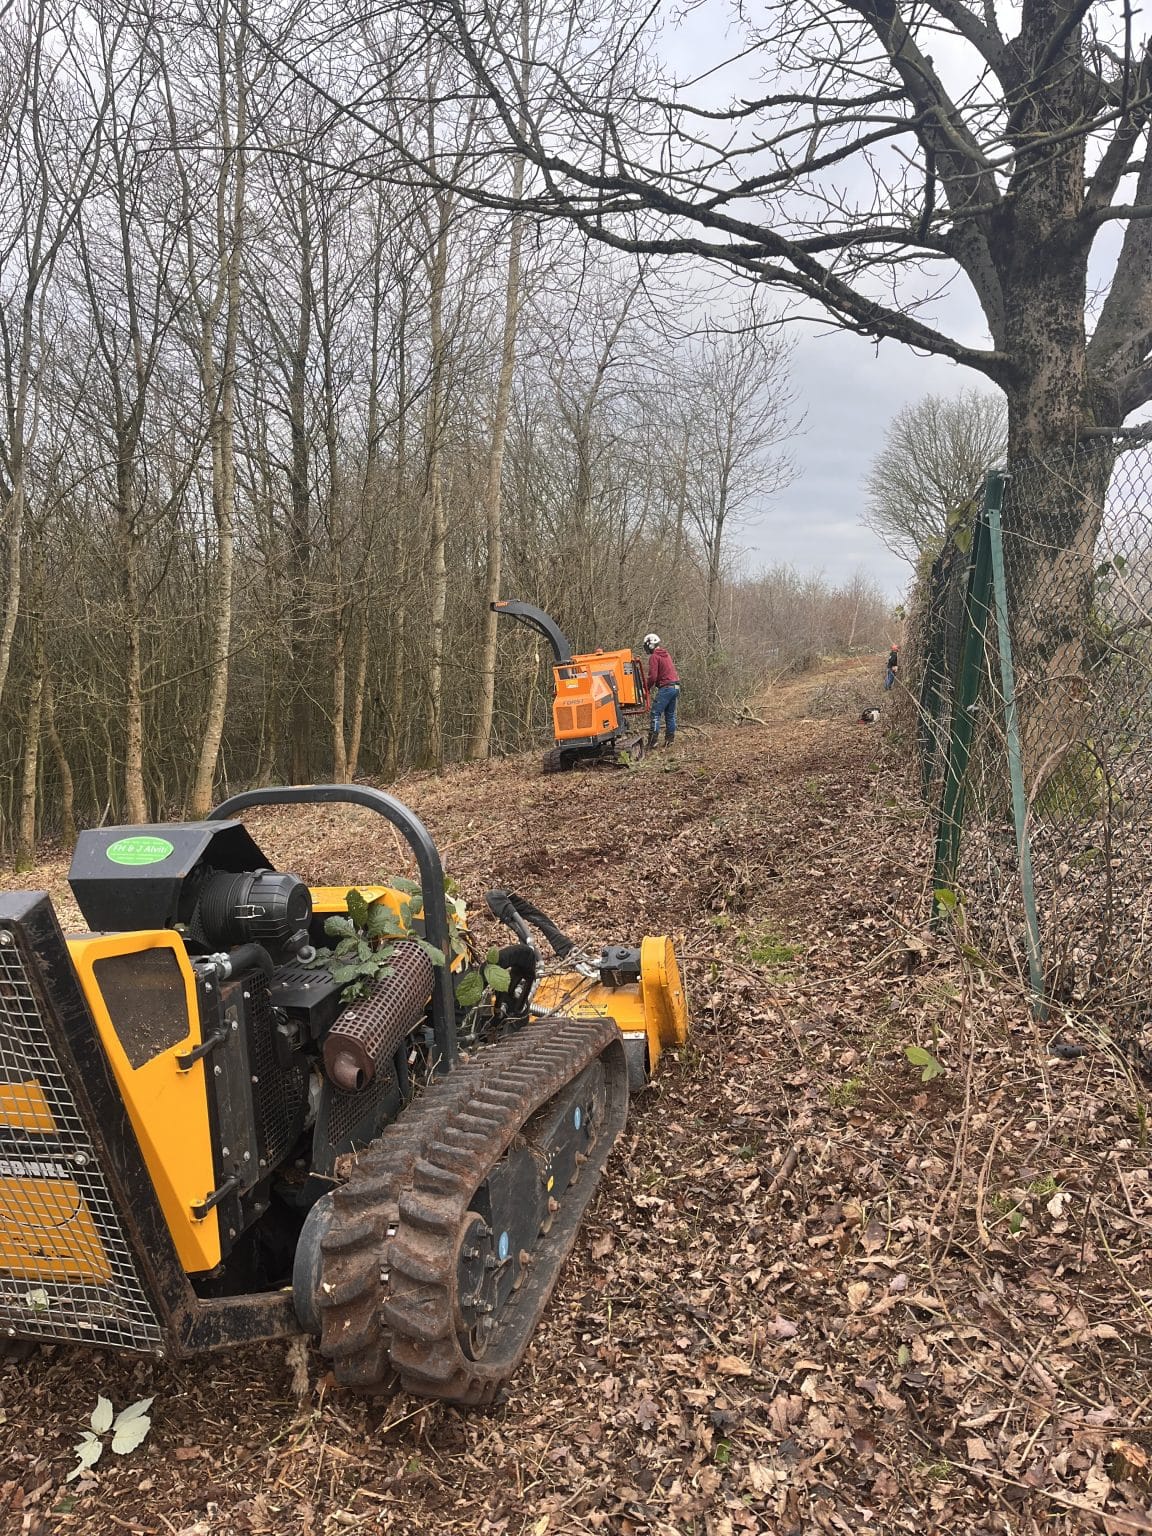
(138, 850)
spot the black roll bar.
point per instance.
(419, 839)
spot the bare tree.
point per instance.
(790, 187)
(47, 163)
(215, 310)
(737, 413)
(934, 459)
(502, 406)
(442, 215)
(124, 251)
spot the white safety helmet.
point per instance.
(651, 642)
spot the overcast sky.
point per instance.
(849, 390)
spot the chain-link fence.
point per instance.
(1032, 650)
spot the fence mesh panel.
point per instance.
(1077, 547)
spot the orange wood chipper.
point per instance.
(600, 698)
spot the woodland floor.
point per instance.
(814, 1293)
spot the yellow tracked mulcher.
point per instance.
(218, 1127)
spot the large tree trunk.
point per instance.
(1058, 471)
(1053, 512)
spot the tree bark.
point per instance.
(230, 247)
(1058, 478)
(494, 492)
(300, 526)
(434, 514)
(359, 689)
(339, 669)
(135, 798)
(26, 826)
(63, 767)
(14, 528)
(396, 694)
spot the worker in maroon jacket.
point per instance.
(663, 690)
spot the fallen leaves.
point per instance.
(732, 1365)
(858, 1293)
(781, 1316)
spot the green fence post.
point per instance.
(993, 502)
(928, 722)
(965, 698)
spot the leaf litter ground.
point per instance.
(814, 1293)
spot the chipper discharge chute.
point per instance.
(599, 702)
(211, 1134)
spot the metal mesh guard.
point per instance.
(53, 1197)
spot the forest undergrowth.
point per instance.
(868, 1258)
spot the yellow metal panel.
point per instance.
(23, 1107)
(47, 1233)
(576, 997)
(168, 1108)
(665, 1005)
(657, 1006)
(328, 900)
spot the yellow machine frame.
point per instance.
(168, 1106)
(653, 1011)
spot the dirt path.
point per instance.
(815, 1293)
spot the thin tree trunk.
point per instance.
(852, 625)
(26, 827)
(300, 538)
(230, 244)
(135, 799)
(63, 767)
(359, 689)
(434, 493)
(395, 696)
(533, 684)
(713, 624)
(12, 593)
(339, 668)
(494, 493)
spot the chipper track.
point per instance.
(446, 1242)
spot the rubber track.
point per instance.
(354, 1279)
(388, 1301)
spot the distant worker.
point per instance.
(893, 663)
(663, 690)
